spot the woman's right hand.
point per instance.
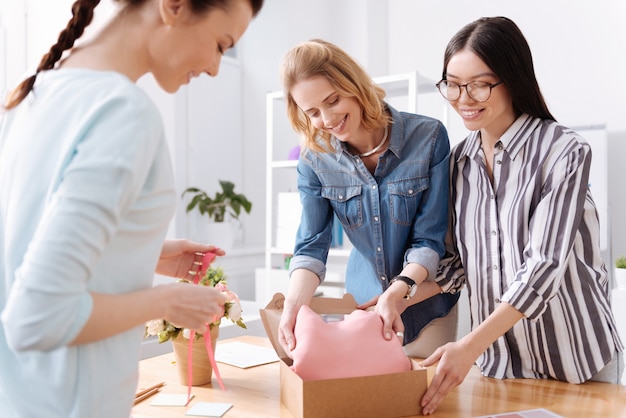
(286, 337)
(302, 285)
(192, 306)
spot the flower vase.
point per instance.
(201, 369)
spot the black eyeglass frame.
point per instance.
(490, 85)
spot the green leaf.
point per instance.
(216, 207)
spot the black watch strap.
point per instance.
(410, 282)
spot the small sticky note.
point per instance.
(208, 409)
(169, 399)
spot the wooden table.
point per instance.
(254, 393)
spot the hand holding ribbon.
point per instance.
(207, 259)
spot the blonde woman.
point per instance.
(384, 174)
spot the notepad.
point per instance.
(208, 409)
(530, 413)
(244, 355)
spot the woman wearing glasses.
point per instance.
(384, 174)
(524, 236)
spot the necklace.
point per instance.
(377, 147)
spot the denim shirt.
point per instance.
(397, 216)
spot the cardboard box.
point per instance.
(381, 396)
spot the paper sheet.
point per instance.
(244, 355)
(530, 413)
(208, 409)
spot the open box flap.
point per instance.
(270, 315)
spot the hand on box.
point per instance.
(454, 365)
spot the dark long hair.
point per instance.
(500, 44)
(82, 15)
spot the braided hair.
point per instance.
(82, 15)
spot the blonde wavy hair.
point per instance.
(317, 57)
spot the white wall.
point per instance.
(578, 49)
(280, 25)
(203, 121)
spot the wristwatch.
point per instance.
(410, 282)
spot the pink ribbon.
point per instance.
(207, 259)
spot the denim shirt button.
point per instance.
(374, 187)
(379, 249)
(375, 218)
(340, 197)
(383, 278)
(410, 191)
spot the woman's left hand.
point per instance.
(389, 310)
(179, 257)
(455, 361)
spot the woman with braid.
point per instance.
(82, 224)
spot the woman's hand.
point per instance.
(455, 361)
(302, 285)
(389, 306)
(180, 256)
(193, 306)
(286, 338)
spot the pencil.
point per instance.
(146, 395)
(148, 390)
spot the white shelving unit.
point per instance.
(404, 92)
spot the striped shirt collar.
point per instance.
(512, 139)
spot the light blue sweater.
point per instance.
(86, 196)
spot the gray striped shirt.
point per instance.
(531, 239)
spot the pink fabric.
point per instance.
(350, 348)
(207, 259)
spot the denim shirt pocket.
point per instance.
(404, 197)
(347, 204)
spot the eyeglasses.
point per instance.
(476, 90)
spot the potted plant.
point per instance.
(620, 272)
(224, 202)
(222, 206)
